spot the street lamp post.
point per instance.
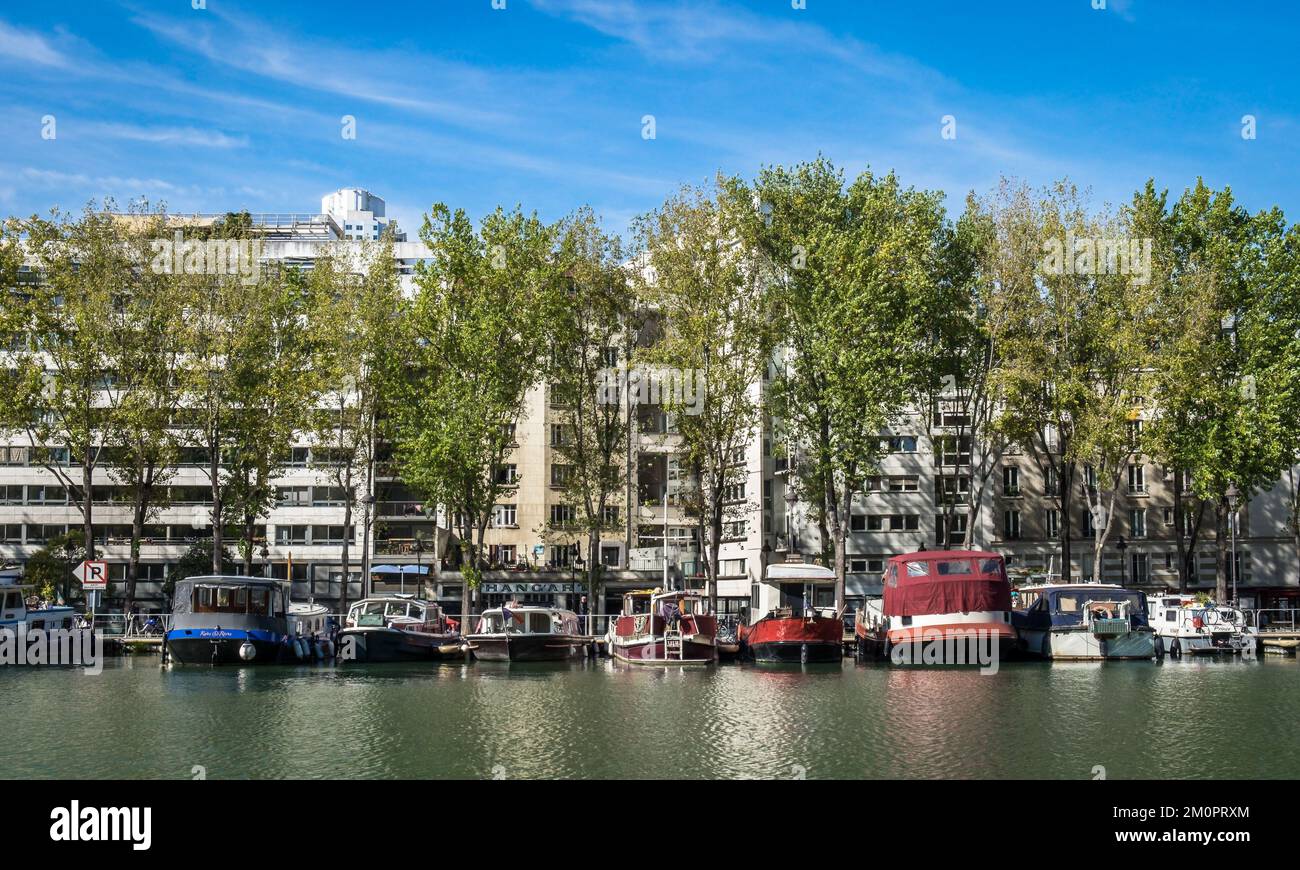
(1121, 545)
(367, 501)
(418, 547)
(266, 565)
(1234, 498)
(578, 564)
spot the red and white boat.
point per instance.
(664, 628)
(955, 597)
(799, 621)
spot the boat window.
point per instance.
(918, 569)
(259, 601)
(539, 623)
(12, 601)
(991, 566)
(491, 623)
(415, 611)
(1068, 602)
(686, 606)
(396, 608)
(220, 599)
(1171, 615)
(954, 566)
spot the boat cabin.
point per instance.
(528, 620)
(230, 602)
(945, 582)
(650, 611)
(14, 608)
(1076, 604)
(396, 611)
(797, 589)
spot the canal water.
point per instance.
(601, 719)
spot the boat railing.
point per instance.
(142, 625)
(1273, 618)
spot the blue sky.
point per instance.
(238, 105)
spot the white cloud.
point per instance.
(170, 135)
(28, 47)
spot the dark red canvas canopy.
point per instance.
(945, 581)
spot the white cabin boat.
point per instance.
(15, 612)
(1185, 626)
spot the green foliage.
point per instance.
(50, 568)
(853, 269)
(197, 562)
(715, 328)
(474, 338)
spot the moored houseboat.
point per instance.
(518, 633)
(939, 607)
(1084, 621)
(1184, 625)
(230, 620)
(795, 617)
(664, 628)
(398, 628)
(15, 612)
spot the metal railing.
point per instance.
(1274, 619)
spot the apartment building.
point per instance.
(1142, 546)
(916, 499)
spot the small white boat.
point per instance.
(1185, 626)
(310, 623)
(15, 612)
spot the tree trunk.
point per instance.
(139, 510)
(87, 504)
(593, 546)
(1180, 529)
(841, 548)
(714, 544)
(1221, 556)
(1065, 484)
(347, 541)
(215, 477)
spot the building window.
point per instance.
(1137, 479)
(899, 444)
(893, 522)
(505, 516)
(1011, 525)
(857, 522)
(561, 475)
(1053, 522)
(506, 475)
(1137, 522)
(1011, 481)
(1051, 483)
(561, 514)
(1141, 568)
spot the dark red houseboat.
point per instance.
(795, 617)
